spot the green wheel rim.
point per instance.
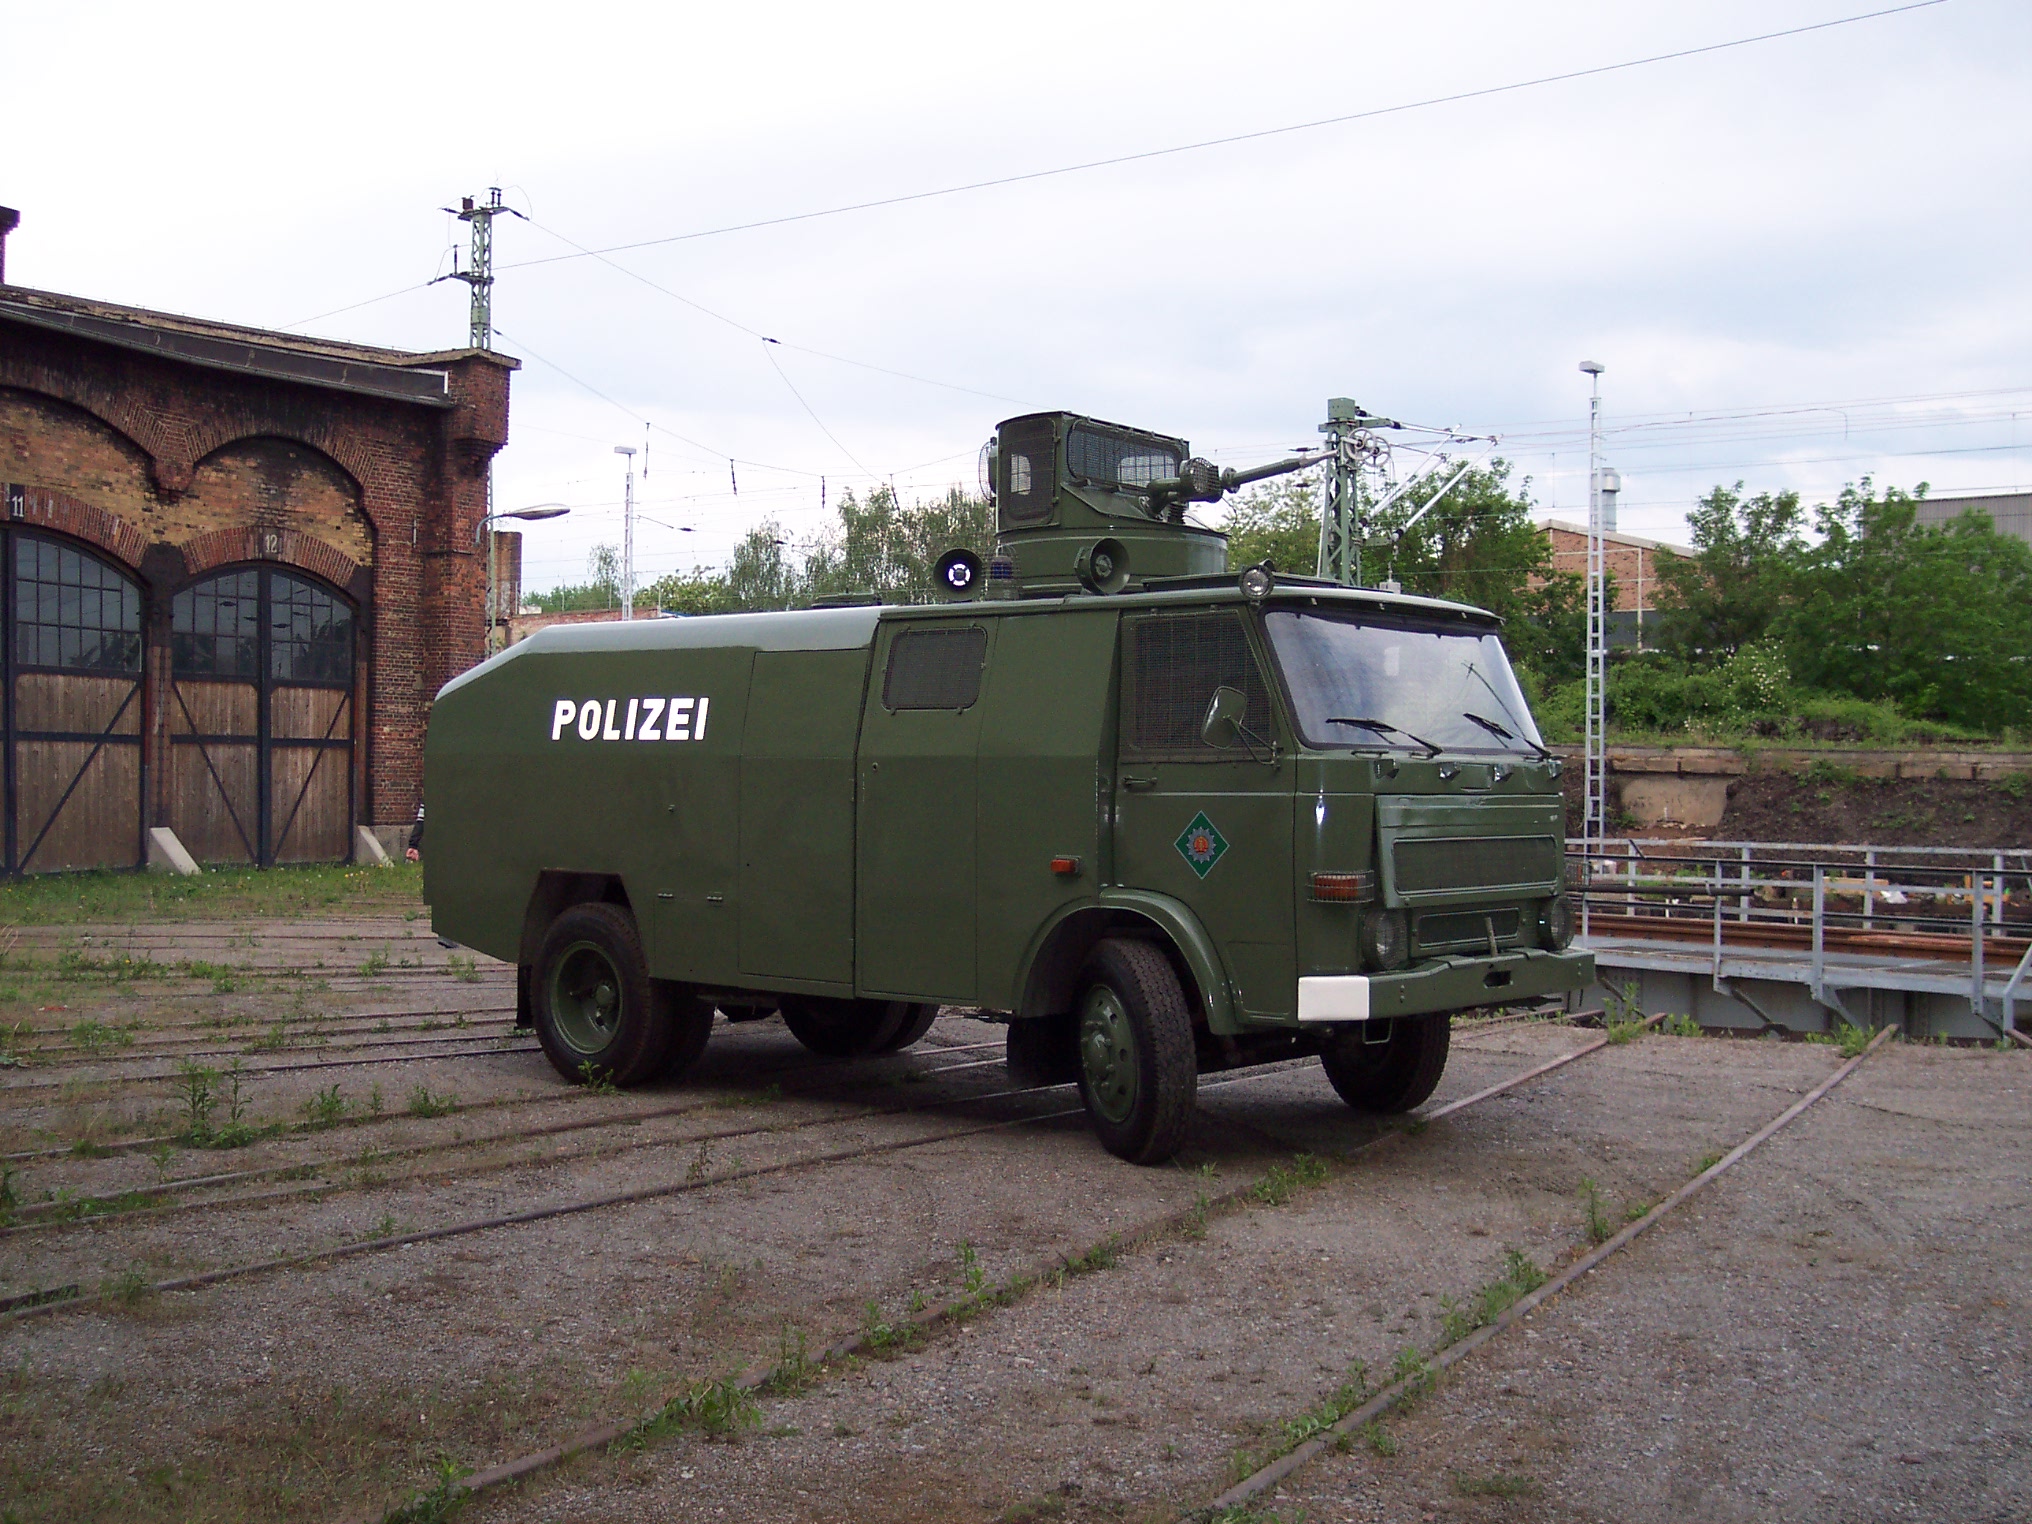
(585, 998)
(1107, 1044)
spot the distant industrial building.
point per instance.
(238, 564)
(1632, 564)
(2011, 512)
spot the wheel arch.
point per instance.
(1052, 965)
(555, 892)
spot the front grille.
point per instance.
(1463, 928)
(1475, 862)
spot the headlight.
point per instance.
(1555, 923)
(1384, 938)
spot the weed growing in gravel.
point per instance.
(447, 1495)
(325, 1109)
(1250, 1513)
(87, 1148)
(125, 1289)
(719, 1409)
(1598, 1225)
(1379, 1439)
(1282, 1183)
(1680, 1026)
(386, 1227)
(597, 1081)
(94, 1035)
(973, 1279)
(1495, 1486)
(200, 1096)
(1195, 1224)
(375, 963)
(374, 1100)
(465, 970)
(9, 1202)
(423, 1104)
(794, 1369)
(883, 1338)
(695, 1171)
(1416, 1372)
(1102, 1256)
(1707, 1162)
(10, 1041)
(1519, 1279)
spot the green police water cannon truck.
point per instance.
(1160, 817)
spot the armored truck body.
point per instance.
(1202, 822)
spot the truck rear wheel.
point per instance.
(1395, 1075)
(598, 1013)
(836, 1028)
(1043, 1050)
(1138, 1076)
(691, 1024)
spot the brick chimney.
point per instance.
(9, 221)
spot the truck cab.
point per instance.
(1159, 817)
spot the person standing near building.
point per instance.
(415, 852)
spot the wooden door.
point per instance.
(261, 718)
(73, 708)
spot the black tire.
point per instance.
(1138, 1075)
(598, 1013)
(1043, 1050)
(835, 1028)
(917, 1021)
(691, 1024)
(1395, 1075)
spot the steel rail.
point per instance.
(1254, 1486)
(71, 1056)
(45, 1218)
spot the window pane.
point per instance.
(72, 610)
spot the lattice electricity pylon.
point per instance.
(479, 274)
(1595, 816)
(1341, 525)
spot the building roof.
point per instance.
(396, 374)
(1617, 537)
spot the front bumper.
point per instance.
(1442, 984)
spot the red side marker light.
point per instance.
(1066, 867)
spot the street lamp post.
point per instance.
(486, 527)
(628, 535)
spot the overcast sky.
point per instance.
(1800, 260)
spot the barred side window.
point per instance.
(1174, 665)
(935, 669)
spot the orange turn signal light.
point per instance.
(1066, 867)
(1344, 888)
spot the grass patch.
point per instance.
(202, 1091)
(1282, 1182)
(1102, 1256)
(885, 1339)
(1680, 1026)
(1495, 1485)
(717, 1409)
(442, 1501)
(423, 1104)
(1519, 1279)
(47, 899)
(1596, 1220)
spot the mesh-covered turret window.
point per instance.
(935, 669)
(1029, 457)
(1174, 665)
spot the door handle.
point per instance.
(1137, 780)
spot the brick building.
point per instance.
(237, 566)
(1632, 565)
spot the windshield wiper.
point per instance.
(1497, 730)
(1382, 726)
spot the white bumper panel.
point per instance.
(1334, 997)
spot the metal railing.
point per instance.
(1906, 890)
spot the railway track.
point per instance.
(41, 1301)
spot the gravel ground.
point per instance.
(1853, 1284)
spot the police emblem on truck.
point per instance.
(645, 719)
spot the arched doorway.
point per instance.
(261, 718)
(72, 710)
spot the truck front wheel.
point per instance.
(1138, 1076)
(1394, 1075)
(598, 1013)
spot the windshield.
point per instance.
(1364, 683)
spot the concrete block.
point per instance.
(1643, 761)
(367, 848)
(167, 855)
(394, 839)
(1712, 764)
(1653, 800)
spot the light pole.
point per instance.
(1594, 820)
(486, 527)
(628, 536)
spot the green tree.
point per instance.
(1937, 619)
(1729, 592)
(883, 548)
(600, 590)
(1276, 521)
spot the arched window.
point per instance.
(261, 721)
(73, 707)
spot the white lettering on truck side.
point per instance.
(683, 719)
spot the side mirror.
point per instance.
(1222, 726)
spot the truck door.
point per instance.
(915, 856)
(1211, 827)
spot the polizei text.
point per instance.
(644, 719)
